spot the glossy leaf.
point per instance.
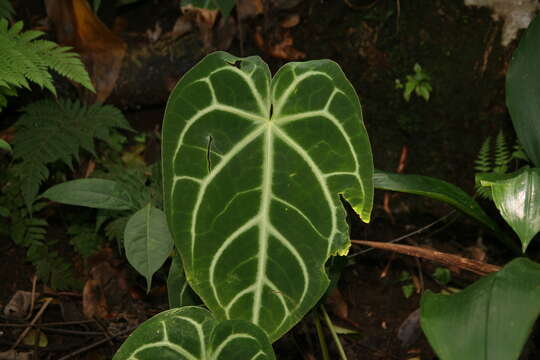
(518, 199)
(489, 320)
(178, 289)
(192, 333)
(523, 91)
(94, 193)
(4, 145)
(253, 169)
(148, 241)
(435, 189)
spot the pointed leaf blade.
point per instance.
(148, 241)
(192, 333)
(523, 91)
(518, 200)
(435, 189)
(253, 168)
(179, 292)
(490, 320)
(94, 193)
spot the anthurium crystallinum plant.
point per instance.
(254, 169)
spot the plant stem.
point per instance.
(334, 334)
(320, 335)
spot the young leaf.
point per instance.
(4, 145)
(517, 196)
(523, 91)
(253, 168)
(490, 320)
(94, 193)
(178, 289)
(148, 241)
(192, 333)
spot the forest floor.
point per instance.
(378, 294)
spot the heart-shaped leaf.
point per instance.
(192, 333)
(253, 168)
(148, 241)
(518, 200)
(490, 320)
(94, 193)
(178, 289)
(523, 91)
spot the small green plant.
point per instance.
(418, 83)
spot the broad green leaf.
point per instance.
(4, 145)
(490, 320)
(192, 333)
(148, 241)
(94, 193)
(224, 6)
(178, 289)
(523, 91)
(436, 189)
(253, 170)
(518, 200)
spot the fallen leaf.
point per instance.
(204, 19)
(290, 21)
(337, 304)
(19, 305)
(35, 336)
(181, 27)
(409, 331)
(101, 50)
(246, 9)
(284, 49)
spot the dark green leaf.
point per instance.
(178, 289)
(253, 168)
(4, 145)
(147, 241)
(192, 333)
(490, 320)
(94, 193)
(523, 91)
(517, 196)
(435, 189)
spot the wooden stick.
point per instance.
(474, 266)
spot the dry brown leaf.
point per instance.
(15, 355)
(101, 50)
(246, 9)
(181, 27)
(337, 304)
(204, 19)
(19, 305)
(282, 50)
(290, 21)
(106, 292)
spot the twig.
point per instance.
(418, 231)
(36, 318)
(474, 266)
(335, 336)
(97, 343)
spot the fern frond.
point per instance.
(502, 154)
(6, 10)
(483, 161)
(50, 131)
(26, 58)
(519, 152)
(85, 239)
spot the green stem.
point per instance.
(320, 335)
(334, 334)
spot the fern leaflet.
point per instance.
(26, 58)
(6, 10)
(50, 131)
